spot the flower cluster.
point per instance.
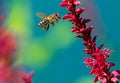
(98, 61)
(27, 78)
(7, 49)
(7, 43)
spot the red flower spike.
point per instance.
(80, 18)
(70, 8)
(86, 21)
(67, 16)
(79, 10)
(80, 36)
(98, 63)
(114, 79)
(100, 47)
(111, 64)
(63, 4)
(116, 73)
(85, 43)
(27, 78)
(94, 45)
(82, 30)
(87, 30)
(115, 76)
(96, 79)
(76, 30)
(72, 18)
(94, 39)
(89, 61)
(76, 3)
(104, 80)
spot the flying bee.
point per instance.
(47, 20)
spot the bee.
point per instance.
(47, 20)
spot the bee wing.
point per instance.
(41, 15)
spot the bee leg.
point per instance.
(52, 23)
(59, 17)
(46, 27)
(57, 20)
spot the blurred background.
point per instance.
(56, 56)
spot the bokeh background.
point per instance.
(56, 56)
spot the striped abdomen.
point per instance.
(44, 24)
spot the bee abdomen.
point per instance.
(43, 23)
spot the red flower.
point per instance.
(7, 49)
(115, 76)
(27, 78)
(7, 43)
(98, 61)
(1, 18)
